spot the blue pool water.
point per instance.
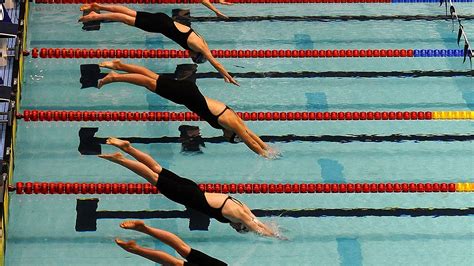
(42, 227)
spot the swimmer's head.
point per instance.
(231, 136)
(197, 58)
(234, 138)
(240, 228)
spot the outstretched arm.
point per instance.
(209, 5)
(218, 66)
(257, 139)
(251, 222)
(198, 44)
(252, 144)
(249, 138)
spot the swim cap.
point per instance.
(199, 58)
(190, 138)
(234, 138)
(240, 228)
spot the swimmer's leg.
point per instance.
(118, 9)
(119, 65)
(166, 237)
(157, 256)
(136, 79)
(117, 17)
(136, 167)
(140, 156)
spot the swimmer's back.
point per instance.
(162, 23)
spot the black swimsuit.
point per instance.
(186, 192)
(197, 258)
(162, 23)
(187, 93)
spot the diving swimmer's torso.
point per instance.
(214, 200)
(162, 23)
(188, 193)
(187, 93)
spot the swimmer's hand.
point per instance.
(279, 237)
(221, 15)
(230, 79)
(272, 153)
(223, 2)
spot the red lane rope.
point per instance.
(139, 188)
(106, 116)
(172, 53)
(213, 1)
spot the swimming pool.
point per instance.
(42, 228)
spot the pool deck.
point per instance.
(6, 77)
(7, 81)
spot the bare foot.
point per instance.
(93, 6)
(111, 64)
(129, 246)
(122, 144)
(133, 225)
(223, 2)
(114, 157)
(107, 79)
(90, 17)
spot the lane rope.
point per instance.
(240, 188)
(107, 116)
(327, 18)
(240, 1)
(68, 53)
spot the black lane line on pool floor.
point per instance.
(89, 144)
(326, 18)
(338, 74)
(342, 74)
(91, 81)
(87, 214)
